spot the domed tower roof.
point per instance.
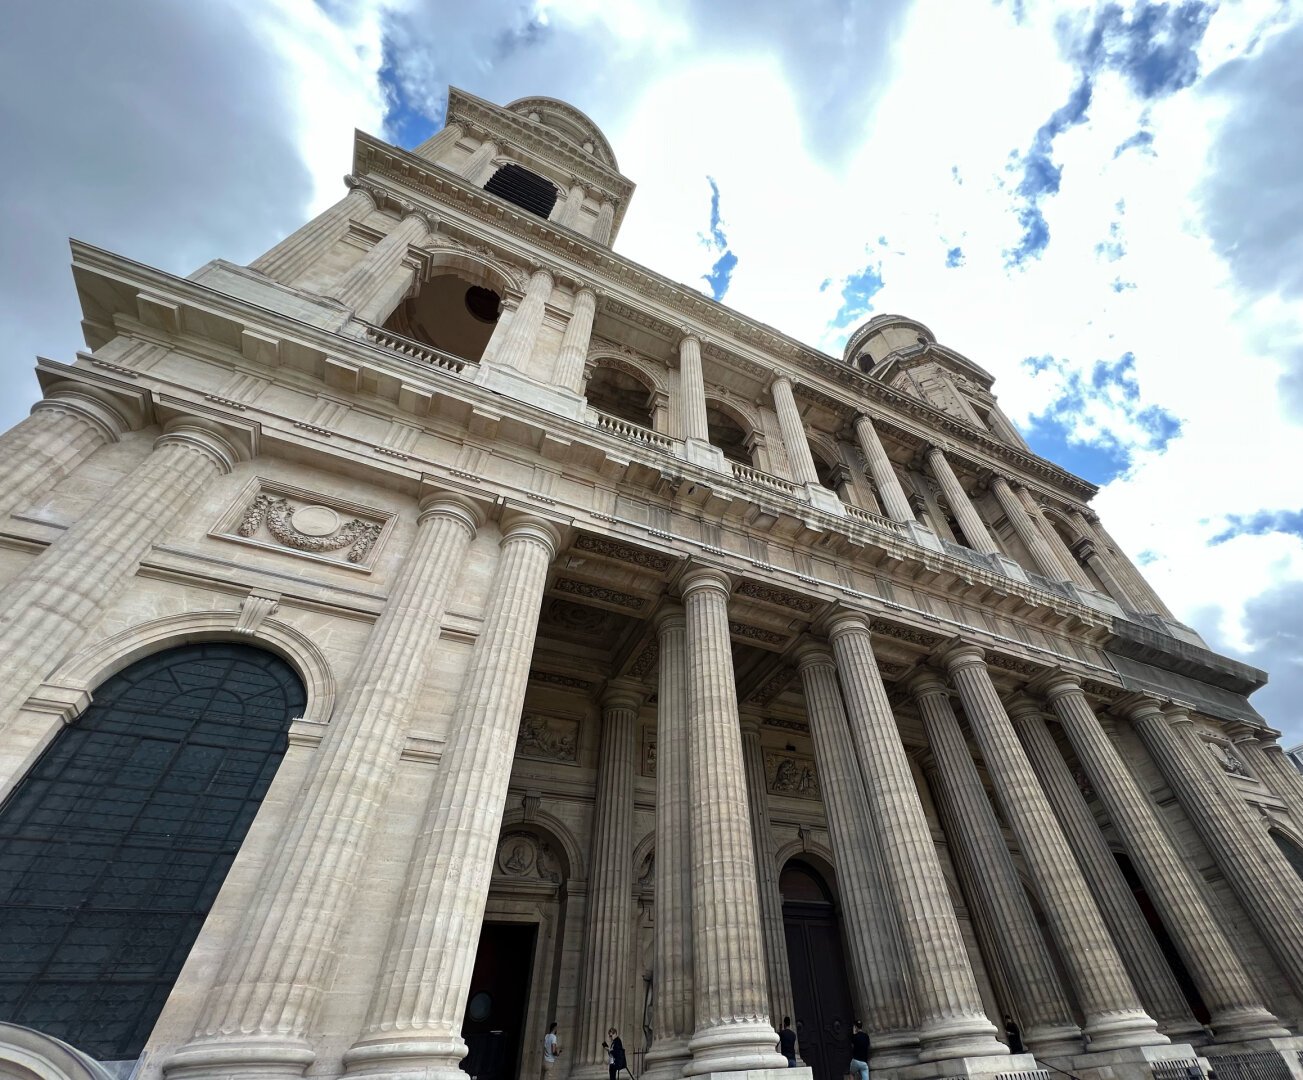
(883, 335)
(568, 122)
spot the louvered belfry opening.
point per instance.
(524, 189)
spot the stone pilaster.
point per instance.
(605, 222)
(302, 249)
(1236, 1011)
(512, 346)
(793, 429)
(440, 142)
(604, 981)
(960, 504)
(44, 608)
(872, 936)
(732, 1029)
(771, 901)
(373, 284)
(1270, 765)
(1148, 967)
(1123, 566)
(1088, 553)
(1257, 872)
(952, 1021)
(65, 428)
(259, 1012)
(568, 213)
(692, 391)
(1038, 1000)
(1047, 563)
(1075, 573)
(1113, 1013)
(414, 1026)
(894, 500)
(575, 341)
(479, 166)
(672, 1011)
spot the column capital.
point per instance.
(750, 719)
(1243, 732)
(842, 623)
(453, 505)
(540, 272)
(519, 525)
(963, 654)
(812, 654)
(1053, 684)
(688, 334)
(1177, 712)
(926, 682)
(705, 577)
(226, 446)
(1023, 707)
(623, 694)
(109, 412)
(1139, 707)
(669, 617)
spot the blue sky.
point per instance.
(1093, 201)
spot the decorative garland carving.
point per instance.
(770, 594)
(1008, 663)
(905, 633)
(600, 593)
(775, 685)
(612, 549)
(277, 514)
(642, 666)
(569, 682)
(755, 633)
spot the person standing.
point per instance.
(860, 1052)
(615, 1059)
(551, 1049)
(787, 1042)
(1014, 1033)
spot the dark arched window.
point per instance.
(114, 845)
(523, 188)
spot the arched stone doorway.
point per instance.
(820, 993)
(114, 845)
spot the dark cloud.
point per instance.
(140, 139)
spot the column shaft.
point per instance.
(269, 987)
(960, 504)
(1257, 872)
(605, 222)
(1236, 1010)
(1147, 965)
(513, 347)
(771, 901)
(414, 1027)
(1033, 539)
(1123, 566)
(672, 1011)
(952, 1021)
(1075, 573)
(570, 209)
(1271, 766)
(604, 979)
(732, 1030)
(478, 167)
(1113, 585)
(692, 391)
(442, 140)
(1113, 1013)
(894, 500)
(302, 249)
(575, 341)
(1046, 1017)
(378, 274)
(793, 429)
(872, 937)
(44, 609)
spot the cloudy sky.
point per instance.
(1101, 204)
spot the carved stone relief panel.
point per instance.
(305, 523)
(791, 774)
(1227, 759)
(548, 738)
(523, 855)
(648, 757)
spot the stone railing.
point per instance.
(856, 513)
(633, 432)
(415, 350)
(965, 554)
(749, 475)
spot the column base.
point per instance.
(666, 1060)
(1246, 1025)
(1060, 1040)
(800, 1072)
(707, 456)
(1118, 1031)
(892, 1049)
(742, 1046)
(270, 1058)
(1131, 1062)
(976, 1067)
(827, 501)
(411, 1054)
(967, 1039)
(1188, 1031)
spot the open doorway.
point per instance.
(494, 1025)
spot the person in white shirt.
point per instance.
(551, 1048)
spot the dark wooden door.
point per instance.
(495, 1012)
(820, 993)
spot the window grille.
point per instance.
(523, 188)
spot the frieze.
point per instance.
(646, 660)
(600, 593)
(548, 738)
(772, 687)
(568, 682)
(1102, 690)
(756, 633)
(1009, 663)
(787, 725)
(770, 594)
(905, 633)
(613, 549)
(523, 855)
(791, 774)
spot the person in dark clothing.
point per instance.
(615, 1059)
(1014, 1033)
(860, 1052)
(787, 1042)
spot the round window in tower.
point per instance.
(483, 303)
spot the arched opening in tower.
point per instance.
(449, 313)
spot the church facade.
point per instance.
(444, 626)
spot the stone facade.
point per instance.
(619, 616)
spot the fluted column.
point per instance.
(513, 345)
(1236, 1010)
(1148, 967)
(1123, 567)
(1046, 1017)
(952, 1020)
(1113, 585)
(1113, 1013)
(64, 429)
(568, 215)
(1270, 765)
(872, 936)
(605, 222)
(476, 168)
(672, 1011)
(443, 139)
(960, 504)
(1074, 571)
(772, 933)
(378, 279)
(732, 1029)
(793, 429)
(1257, 872)
(692, 391)
(302, 249)
(414, 1025)
(894, 500)
(269, 988)
(604, 980)
(574, 342)
(46, 606)
(1033, 539)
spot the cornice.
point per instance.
(380, 158)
